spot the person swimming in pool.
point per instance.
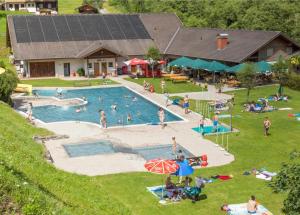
(59, 92)
(129, 118)
(134, 99)
(114, 107)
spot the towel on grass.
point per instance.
(241, 209)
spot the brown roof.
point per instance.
(201, 43)
(162, 27)
(30, 39)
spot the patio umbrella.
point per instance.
(163, 167)
(182, 62)
(184, 168)
(235, 68)
(263, 67)
(200, 64)
(216, 66)
(136, 61)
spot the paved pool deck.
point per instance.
(134, 136)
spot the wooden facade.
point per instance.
(42, 69)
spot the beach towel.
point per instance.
(224, 177)
(287, 108)
(241, 209)
(263, 177)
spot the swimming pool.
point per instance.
(127, 102)
(208, 130)
(107, 147)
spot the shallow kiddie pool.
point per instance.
(209, 130)
(142, 110)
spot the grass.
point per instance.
(126, 193)
(181, 87)
(68, 6)
(56, 82)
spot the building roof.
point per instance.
(201, 43)
(64, 36)
(162, 27)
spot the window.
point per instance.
(11, 6)
(270, 52)
(110, 64)
(90, 65)
(22, 5)
(289, 50)
(49, 5)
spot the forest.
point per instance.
(272, 15)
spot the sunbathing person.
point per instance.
(170, 184)
(252, 205)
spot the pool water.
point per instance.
(211, 130)
(142, 111)
(106, 147)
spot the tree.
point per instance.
(153, 55)
(288, 180)
(96, 3)
(280, 69)
(247, 76)
(8, 82)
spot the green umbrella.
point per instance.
(216, 66)
(263, 67)
(235, 68)
(200, 64)
(182, 62)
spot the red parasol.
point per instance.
(161, 62)
(136, 61)
(160, 166)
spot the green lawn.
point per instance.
(126, 193)
(68, 6)
(56, 82)
(180, 87)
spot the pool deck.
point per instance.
(133, 136)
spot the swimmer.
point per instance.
(78, 110)
(100, 99)
(59, 91)
(127, 96)
(35, 94)
(114, 107)
(134, 99)
(84, 98)
(129, 118)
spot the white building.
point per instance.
(32, 6)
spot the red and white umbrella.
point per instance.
(160, 166)
(136, 61)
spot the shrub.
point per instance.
(8, 82)
(81, 72)
(293, 81)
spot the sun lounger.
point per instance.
(169, 76)
(179, 79)
(241, 209)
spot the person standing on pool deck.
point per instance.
(162, 86)
(103, 119)
(215, 122)
(161, 115)
(167, 99)
(186, 104)
(174, 146)
(267, 125)
(201, 125)
(29, 112)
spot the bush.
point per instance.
(8, 82)
(81, 72)
(293, 81)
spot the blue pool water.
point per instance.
(106, 147)
(211, 130)
(141, 110)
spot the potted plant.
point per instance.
(80, 72)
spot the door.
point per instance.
(66, 69)
(17, 7)
(96, 69)
(104, 68)
(42, 69)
